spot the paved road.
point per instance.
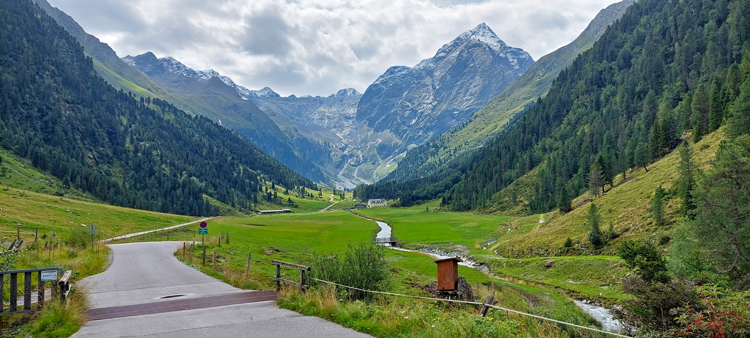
(142, 273)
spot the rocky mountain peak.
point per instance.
(263, 93)
(347, 92)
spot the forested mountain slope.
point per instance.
(56, 111)
(665, 67)
(207, 97)
(492, 118)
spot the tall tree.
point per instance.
(594, 221)
(717, 104)
(722, 219)
(642, 156)
(686, 180)
(596, 180)
(700, 108)
(739, 124)
(565, 201)
(657, 206)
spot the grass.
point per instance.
(416, 225)
(590, 277)
(63, 215)
(625, 205)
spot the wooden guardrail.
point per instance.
(62, 285)
(303, 280)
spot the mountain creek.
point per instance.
(601, 314)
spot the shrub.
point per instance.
(362, 266)
(645, 259)
(80, 237)
(719, 312)
(656, 300)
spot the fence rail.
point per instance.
(62, 285)
(303, 279)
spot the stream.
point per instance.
(600, 313)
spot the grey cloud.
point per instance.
(266, 34)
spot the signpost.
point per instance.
(92, 228)
(49, 275)
(203, 231)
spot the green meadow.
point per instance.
(423, 225)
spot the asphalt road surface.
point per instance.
(142, 274)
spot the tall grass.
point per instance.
(59, 319)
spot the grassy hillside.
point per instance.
(626, 206)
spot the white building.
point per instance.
(378, 202)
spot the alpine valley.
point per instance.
(602, 190)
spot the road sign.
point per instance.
(48, 275)
(203, 231)
(204, 224)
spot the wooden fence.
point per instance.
(303, 280)
(59, 287)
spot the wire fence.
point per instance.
(474, 303)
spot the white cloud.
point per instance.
(319, 46)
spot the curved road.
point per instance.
(142, 273)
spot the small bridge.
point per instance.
(392, 241)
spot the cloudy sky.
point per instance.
(315, 47)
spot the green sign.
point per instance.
(203, 231)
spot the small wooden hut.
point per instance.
(447, 273)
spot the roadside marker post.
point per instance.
(92, 229)
(203, 231)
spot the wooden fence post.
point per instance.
(213, 262)
(192, 245)
(13, 292)
(40, 291)
(486, 306)
(278, 275)
(247, 267)
(2, 295)
(27, 290)
(303, 280)
(184, 248)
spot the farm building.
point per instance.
(271, 212)
(378, 202)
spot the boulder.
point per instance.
(549, 263)
(463, 289)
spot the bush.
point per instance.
(655, 301)
(362, 266)
(80, 237)
(719, 312)
(645, 259)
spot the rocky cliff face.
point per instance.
(415, 104)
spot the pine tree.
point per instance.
(596, 180)
(564, 203)
(686, 181)
(642, 156)
(700, 108)
(739, 124)
(594, 220)
(657, 206)
(716, 104)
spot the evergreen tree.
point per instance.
(594, 220)
(564, 203)
(722, 221)
(739, 124)
(642, 156)
(657, 206)
(700, 108)
(596, 180)
(717, 104)
(686, 181)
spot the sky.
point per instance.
(316, 47)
